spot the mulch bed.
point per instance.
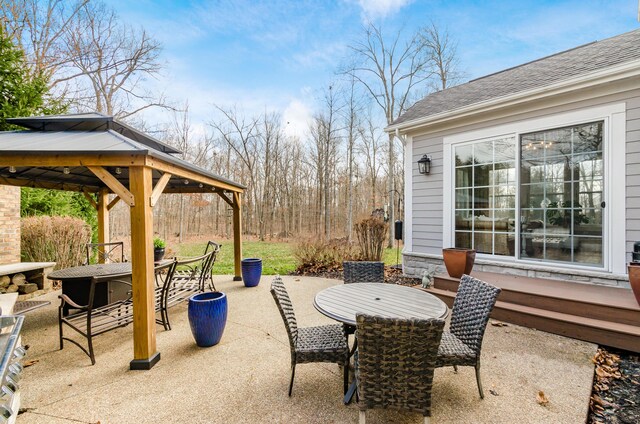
(391, 275)
(616, 387)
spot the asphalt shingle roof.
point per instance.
(543, 72)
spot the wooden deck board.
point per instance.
(599, 314)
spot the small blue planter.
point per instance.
(207, 317)
(251, 271)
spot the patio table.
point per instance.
(77, 280)
(344, 301)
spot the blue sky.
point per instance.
(278, 55)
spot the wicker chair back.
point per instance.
(363, 272)
(395, 362)
(471, 309)
(281, 296)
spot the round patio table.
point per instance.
(344, 301)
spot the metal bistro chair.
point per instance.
(361, 272)
(105, 252)
(92, 321)
(325, 343)
(461, 345)
(208, 267)
(395, 363)
(162, 278)
(186, 279)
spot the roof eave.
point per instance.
(612, 74)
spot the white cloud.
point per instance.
(296, 117)
(373, 9)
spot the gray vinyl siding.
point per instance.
(428, 190)
(633, 173)
(427, 196)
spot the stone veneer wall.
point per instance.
(416, 265)
(9, 224)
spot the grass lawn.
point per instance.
(277, 257)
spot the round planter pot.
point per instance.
(458, 261)
(207, 317)
(158, 254)
(251, 271)
(634, 280)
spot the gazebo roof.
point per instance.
(90, 122)
(56, 152)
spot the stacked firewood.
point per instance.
(16, 283)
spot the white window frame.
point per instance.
(613, 239)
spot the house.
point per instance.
(537, 167)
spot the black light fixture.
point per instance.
(424, 164)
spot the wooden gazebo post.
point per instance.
(145, 354)
(103, 215)
(237, 235)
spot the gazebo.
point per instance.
(96, 154)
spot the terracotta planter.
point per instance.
(458, 261)
(634, 280)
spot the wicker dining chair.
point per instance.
(363, 272)
(395, 363)
(461, 345)
(325, 343)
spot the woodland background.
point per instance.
(80, 56)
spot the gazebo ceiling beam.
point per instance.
(24, 159)
(48, 184)
(115, 185)
(88, 195)
(113, 202)
(191, 175)
(159, 188)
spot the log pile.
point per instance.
(16, 283)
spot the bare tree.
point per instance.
(389, 69)
(325, 134)
(112, 60)
(38, 27)
(352, 124)
(442, 54)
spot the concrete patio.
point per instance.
(244, 379)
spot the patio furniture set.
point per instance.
(97, 298)
(399, 336)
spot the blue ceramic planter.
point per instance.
(251, 271)
(207, 317)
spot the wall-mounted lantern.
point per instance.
(424, 165)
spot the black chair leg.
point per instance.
(293, 374)
(60, 327)
(478, 381)
(345, 386)
(91, 355)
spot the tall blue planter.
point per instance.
(207, 317)
(251, 271)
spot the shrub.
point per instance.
(59, 239)
(371, 233)
(321, 256)
(159, 243)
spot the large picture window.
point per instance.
(485, 196)
(558, 175)
(561, 194)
